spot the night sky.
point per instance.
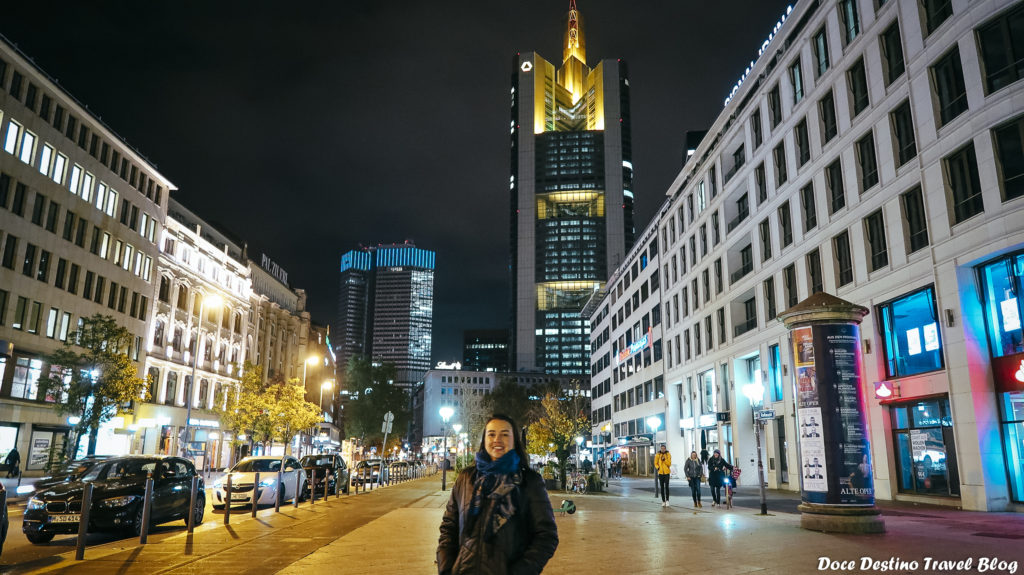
(306, 128)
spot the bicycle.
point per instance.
(576, 482)
(728, 483)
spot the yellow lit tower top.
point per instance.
(574, 55)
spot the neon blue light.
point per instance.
(405, 257)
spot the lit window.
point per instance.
(44, 159)
(1002, 282)
(910, 330)
(28, 143)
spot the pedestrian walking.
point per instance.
(499, 517)
(693, 470)
(717, 469)
(663, 466)
(13, 461)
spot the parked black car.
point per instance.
(69, 472)
(3, 517)
(333, 466)
(119, 486)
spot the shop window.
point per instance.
(925, 450)
(1013, 435)
(910, 330)
(1002, 281)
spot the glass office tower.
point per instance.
(571, 198)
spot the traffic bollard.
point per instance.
(298, 486)
(147, 509)
(227, 501)
(255, 494)
(83, 522)
(192, 504)
(312, 486)
(327, 477)
(277, 498)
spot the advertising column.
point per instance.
(836, 482)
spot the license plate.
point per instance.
(239, 497)
(65, 518)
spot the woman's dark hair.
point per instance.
(517, 433)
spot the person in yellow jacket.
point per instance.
(663, 467)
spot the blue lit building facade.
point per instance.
(571, 203)
(386, 308)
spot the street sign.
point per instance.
(386, 427)
(389, 417)
(766, 414)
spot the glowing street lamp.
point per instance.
(446, 414)
(214, 301)
(311, 360)
(755, 393)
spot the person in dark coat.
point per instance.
(13, 461)
(717, 467)
(498, 519)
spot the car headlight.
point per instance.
(35, 504)
(23, 489)
(118, 501)
(268, 482)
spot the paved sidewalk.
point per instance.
(394, 530)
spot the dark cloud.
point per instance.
(307, 128)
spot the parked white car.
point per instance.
(243, 477)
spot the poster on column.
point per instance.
(841, 405)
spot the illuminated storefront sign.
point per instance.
(760, 52)
(635, 347)
(1008, 372)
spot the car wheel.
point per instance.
(39, 538)
(136, 526)
(198, 511)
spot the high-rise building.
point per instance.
(485, 349)
(386, 308)
(571, 197)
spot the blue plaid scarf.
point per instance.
(495, 480)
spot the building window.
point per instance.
(716, 232)
(755, 128)
(914, 219)
(858, 80)
(721, 325)
(1010, 153)
(935, 13)
(769, 298)
(892, 53)
(775, 372)
(1002, 50)
(774, 107)
(948, 82)
(765, 233)
(779, 155)
(25, 383)
(963, 183)
(844, 260)
(803, 144)
(829, 127)
(849, 20)
(874, 227)
(867, 162)
(910, 331)
(785, 224)
(814, 271)
(925, 452)
(810, 213)
(789, 284)
(821, 52)
(1003, 285)
(761, 183)
(834, 184)
(903, 133)
(719, 287)
(796, 78)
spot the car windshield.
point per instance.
(129, 468)
(317, 460)
(254, 465)
(76, 468)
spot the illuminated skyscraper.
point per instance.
(386, 308)
(571, 197)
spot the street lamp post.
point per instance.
(213, 300)
(654, 422)
(446, 414)
(755, 393)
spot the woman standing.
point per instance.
(663, 467)
(498, 519)
(693, 469)
(716, 475)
